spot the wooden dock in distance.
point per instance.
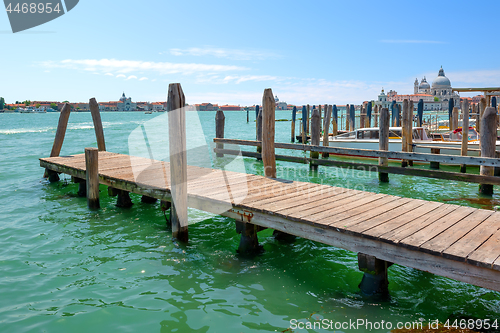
(461, 243)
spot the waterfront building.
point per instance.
(230, 107)
(280, 105)
(435, 97)
(125, 104)
(207, 107)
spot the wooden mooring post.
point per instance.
(304, 125)
(488, 145)
(58, 140)
(384, 142)
(465, 133)
(294, 117)
(92, 177)
(178, 161)
(352, 117)
(407, 130)
(308, 127)
(315, 135)
(96, 117)
(258, 124)
(219, 129)
(268, 122)
(326, 130)
(335, 118)
(347, 117)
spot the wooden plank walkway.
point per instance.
(461, 243)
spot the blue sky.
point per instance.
(228, 52)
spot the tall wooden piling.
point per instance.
(326, 140)
(248, 115)
(58, 141)
(482, 107)
(92, 177)
(406, 133)
(304, 124)
(308, 124)
(488, 145)
(384, 142)
(335, 116)
(320, 117)
(347, 110)
(219, 129)
(258, 125)
(352, 117)
(315, 135)
(465, 132)
(376, 115)
(362, 117)
(294, 117)
(178, 161)
(368, 119)
(268, 122)
(96, 117)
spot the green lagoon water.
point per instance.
(64, 268)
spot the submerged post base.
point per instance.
(51, 175)
(148, 200)
(486, 189)
(123, 200)
(249, 243)
(383, 177)
(375, 280)
(284, 237)
(82, 187)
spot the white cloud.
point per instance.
(121, 75)
(411, 41)
(129, 66)
(132, 77)
(143, 78)
(224, 53)
(109, 74)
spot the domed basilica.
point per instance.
(435, 97)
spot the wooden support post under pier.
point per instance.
(123, 200)
(148, 200)
(178, 161)
(384, 143)
(488, 144)
(326, 142)
(375, 279)
(465, 133)
(92, 177)
(219, 130)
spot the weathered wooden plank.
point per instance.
(364, 225)
(343, 220)
(381, 229)
(487, 253)
(445, 239)
(415, 240)
(351, 205)
(269, 192)
(473, 239)
(322, 203)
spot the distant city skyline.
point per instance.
(227, 53)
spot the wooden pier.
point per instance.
(461, 243)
